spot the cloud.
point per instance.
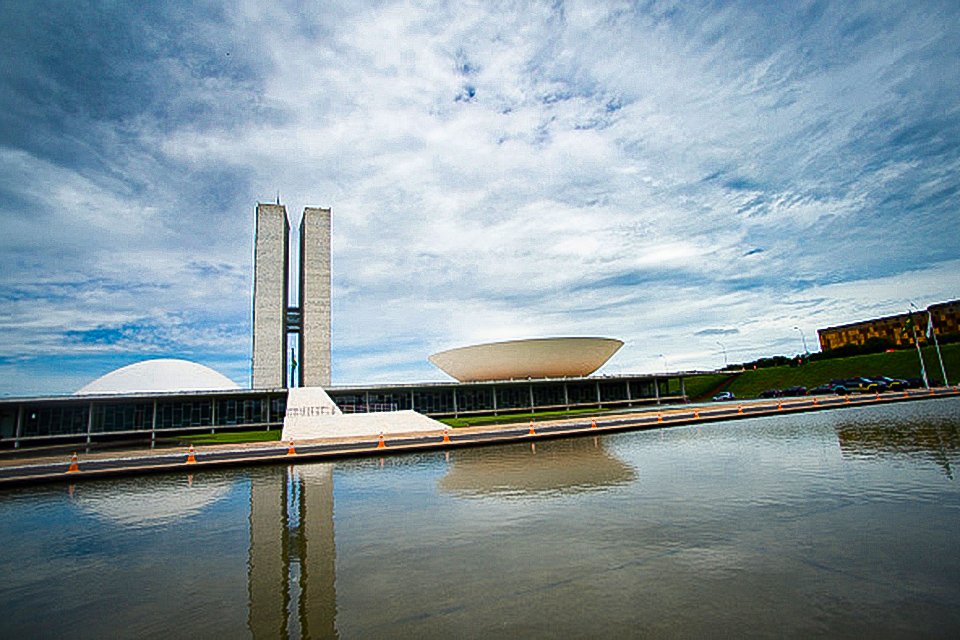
(656, 173)
(717, 332)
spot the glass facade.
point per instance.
(474, 399)
(80, 417)
(503, 397)
(184, 414)
(126, 416)
(56, 420)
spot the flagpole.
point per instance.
(923, 369)
(932, 332)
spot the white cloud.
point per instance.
(501, 172)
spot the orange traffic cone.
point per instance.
(290, 450)
(779, 405)
(659, 417)
(876, 396)
(696, 414)
(74, 465)
(532, 432)
(593, 424)
(191, 455)
(906, 394)
(814, 402)
(446, 436)
(380, 443)
(846, 398)
(739, 409)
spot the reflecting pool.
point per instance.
(837, 523)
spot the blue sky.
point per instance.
(674, 174)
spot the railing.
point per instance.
(373, 407)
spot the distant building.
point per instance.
(946, 320)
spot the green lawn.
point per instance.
(478, 421)
(706, 386)
(230, 437)
(899, 364)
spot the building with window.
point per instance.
(162, 397)
(945, 317)
(152, 414)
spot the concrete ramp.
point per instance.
(312, 415)
(360, 424)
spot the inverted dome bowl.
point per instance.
(521, 359)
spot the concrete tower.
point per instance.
(273, 317)
(270, 276)
(315, 297)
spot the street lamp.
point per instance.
(724, 354)
(665, 367)
(806, 352)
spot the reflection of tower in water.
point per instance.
(291, 571)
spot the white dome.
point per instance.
(161, 375)
(164, 500)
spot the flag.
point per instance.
(929, 325)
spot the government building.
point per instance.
(945, 317)
(162, 397)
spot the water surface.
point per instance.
(836, 523)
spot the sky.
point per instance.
(698, 179)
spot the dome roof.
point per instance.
(521, 359)
(164, 500)
(160, 375)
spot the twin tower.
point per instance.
(274, 317)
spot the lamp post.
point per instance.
(806, 352)
(724, 354)
(923, 369)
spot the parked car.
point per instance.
(724, 395)
(893, 384)
(822, 389)
(841, 386)
(795, 391)
(856, 385)
(771, 393)
(866, 385)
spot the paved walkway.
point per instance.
(47, 467)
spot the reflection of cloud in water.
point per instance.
(548, 468)
(150, 501)
(936, 440)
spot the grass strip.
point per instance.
(478, 421)
(229, 437)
